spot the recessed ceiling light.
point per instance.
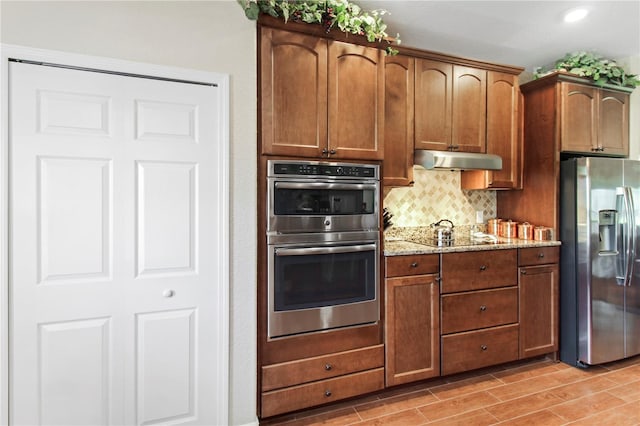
(576, 14)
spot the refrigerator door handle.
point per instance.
(629, 235)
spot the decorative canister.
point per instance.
(508, 229)
(542, 233)
(525, 231)
(493, 226)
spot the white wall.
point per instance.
(205, 35)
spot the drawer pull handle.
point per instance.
(483, 268)
(414, 265)
(327, 393)
(540, 255)
(483, 308)
(483, 347)
(328, 367)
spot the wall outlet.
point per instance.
(479, 216)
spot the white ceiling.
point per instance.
(513, 32)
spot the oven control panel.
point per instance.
(298, 168)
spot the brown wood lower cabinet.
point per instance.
(412, 318)
(321, 392)
(479, 307)
(304, 383)
(538, 299)
(481, 348)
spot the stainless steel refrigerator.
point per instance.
(600, 260)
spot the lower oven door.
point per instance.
(317, 287)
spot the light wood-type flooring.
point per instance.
(539, 392)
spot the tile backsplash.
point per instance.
(437, 195)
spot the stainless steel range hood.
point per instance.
(456, 160)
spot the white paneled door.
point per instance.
(113, 191)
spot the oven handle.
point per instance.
(304, 251)
(324, 185)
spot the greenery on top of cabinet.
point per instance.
(348, 17)
(599, 69)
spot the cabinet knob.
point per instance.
(168, 293)
(414, 265)
(483, 268)
(332, 152)
(328, 367)
(483, 308)
(483, 347)
(540, 255)
(327, 393)
(325, 151)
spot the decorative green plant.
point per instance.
(346, 16)
(587, 64)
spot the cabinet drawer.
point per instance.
(321, 392)
(476, 349)
(321, 367)
(418, 264)
(477, 270)
(479, 309)
(538, 256)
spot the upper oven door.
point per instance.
(313, 205)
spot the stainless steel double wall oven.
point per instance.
(323, 246)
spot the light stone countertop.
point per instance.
(405, 241)
(401, 247)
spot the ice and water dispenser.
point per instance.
(608, 229)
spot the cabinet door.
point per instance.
(469, 113)
(356, 102)
(578, 122)
(538, 310)
(613, 124)
(398, 121)
(503, 129)
(433, 95)
(293, 93)
(504, 135)
(412, 329)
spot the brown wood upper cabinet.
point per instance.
(566, 113)
(594, 120)
(450, 107)
(320, 98)
(504, 135)
(398, 120)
